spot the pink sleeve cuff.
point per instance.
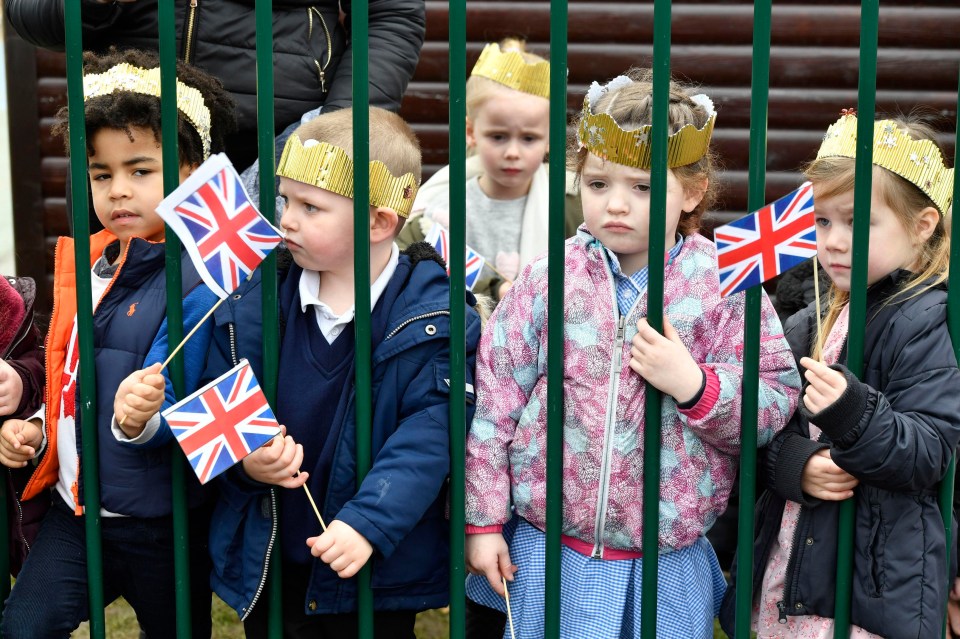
(479, 530)
(711, 393)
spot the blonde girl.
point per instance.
(508, 108)
(885, 439)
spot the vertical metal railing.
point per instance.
(756, 197)
(655, 270)
(866, 108)
(87, 376)
(457, 21)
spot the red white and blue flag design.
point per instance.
(439, 238)
(766, 243)
(224, 233)
(223, 422)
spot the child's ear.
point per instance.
(692, 195)
(383, 223)
(926, 223)
(186, 169)
(471, 138)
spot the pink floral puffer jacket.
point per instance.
(604, 403)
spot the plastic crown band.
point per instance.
(329, 167)
(126, 77)
(510, 69)
(600, 134)
(917, 161)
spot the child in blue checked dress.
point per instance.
(610, 352)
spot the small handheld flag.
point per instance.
(223, 422)
(439, 239)
(766, 243)
(223, 232)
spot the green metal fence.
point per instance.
(558, 121)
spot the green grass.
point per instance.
(122, 624)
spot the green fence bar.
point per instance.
(555, 275)
(655, 268)
(866, 107)
(457, 20)
(263, 14)
(87, 377)
(756, 197)
(360, 40)
(953, 323)
(166, 21)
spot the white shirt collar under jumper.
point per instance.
(331, 324)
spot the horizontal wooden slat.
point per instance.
(831, 25)
(821, 67)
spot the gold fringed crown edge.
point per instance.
(600, 134)
(126, 77)
(917, 161)
(329, 167)
(510, 69)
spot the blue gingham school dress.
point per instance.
(600, 599)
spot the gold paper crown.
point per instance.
(126, 77)
(600, 134)
(330, 168)
(510, 69)
(918, 161)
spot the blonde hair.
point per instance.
(836, 175)
(392, 141)
(632, 107)
(480, 89)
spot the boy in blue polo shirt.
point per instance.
(396, 519)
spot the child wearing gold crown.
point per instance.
(610, 352)
(395, 519)
(121, 103)
(884, 440)
(507, 198)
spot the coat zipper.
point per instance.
(608, 428)
(188, 42)
(273, 504)
(321, 69)
(414, 319)
(16, 500)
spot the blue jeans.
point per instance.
(49, 598)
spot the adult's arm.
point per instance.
(40, 22)
(397, 29)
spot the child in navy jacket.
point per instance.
(395, 520)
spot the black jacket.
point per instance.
(218, 36)
(896, 431)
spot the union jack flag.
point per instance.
(439, 238)
(225, 235)
(223, 422)
(767, 242)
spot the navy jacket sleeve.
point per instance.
(903, 437)
(409, 471)
(397, 29)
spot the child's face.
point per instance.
(510, 134)
(318, 226)
(126, 182)
(616, 209)
(891, 245)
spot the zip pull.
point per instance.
(193, 4)
(782, 607)
(619, 343)
(322, 76)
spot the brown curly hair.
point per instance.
(126, 110)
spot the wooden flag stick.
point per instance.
(816, 293)
(506, 595)
(315, 510)
(184, 341)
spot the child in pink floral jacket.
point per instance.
(609, 353)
